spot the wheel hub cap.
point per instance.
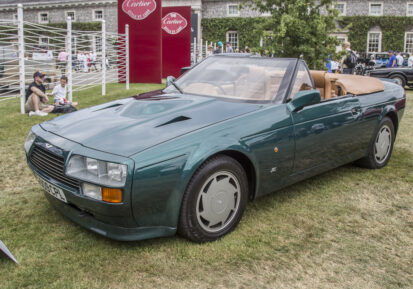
(383, 144)
(218, 201)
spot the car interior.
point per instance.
(333, 85)
(256, 83)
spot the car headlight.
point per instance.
(97, 171)
(29, 141)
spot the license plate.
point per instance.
(52, 189)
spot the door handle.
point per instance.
(317, 128)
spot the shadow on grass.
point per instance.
(400, 159)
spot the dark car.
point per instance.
(402, 75)
(188, 158)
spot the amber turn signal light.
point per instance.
(112, 195)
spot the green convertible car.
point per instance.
(188, 158)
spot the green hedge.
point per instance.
(392, 27)
(215, 29)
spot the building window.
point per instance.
(71, 14)
(233, 10)
(232, 37)
(409, 9)
(374, 42)
(408, 43)
(97, 14)
(341, 7)
(376, 9)
(43, 17)
(266, 38)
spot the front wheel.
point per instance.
(214, 200)
(382, 146)
(399, 79)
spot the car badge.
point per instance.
(139, 9)
(49, 146)
(173, 23)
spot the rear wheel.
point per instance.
(214, 200)
(399, 79)
(381, 147)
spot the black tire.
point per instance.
(214, 173)
(400, 79)
(371, 161)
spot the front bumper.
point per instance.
(115, 221)
(111, 231)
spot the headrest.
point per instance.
(318, 77)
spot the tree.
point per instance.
(298, 28)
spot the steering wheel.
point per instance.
(215, 85)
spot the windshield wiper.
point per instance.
(177, 87)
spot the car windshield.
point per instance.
(240, 78)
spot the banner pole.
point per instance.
(22, 73)
(103, 57)
(69, 58)
(127, 54)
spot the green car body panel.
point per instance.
(164, 142)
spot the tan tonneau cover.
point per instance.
(358, 85)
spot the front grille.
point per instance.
(51, 165)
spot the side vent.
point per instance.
(110, 106)
(176, 119)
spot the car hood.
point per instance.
(129, 126)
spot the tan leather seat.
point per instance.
(358, 85)
(322, 83)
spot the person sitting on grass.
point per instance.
(36, 98)
(60, 91)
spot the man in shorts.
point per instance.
(36, 98)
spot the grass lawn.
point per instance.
(348, 228)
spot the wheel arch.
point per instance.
(398, 74)
(248, 166)
(241, 157)
(390, 112)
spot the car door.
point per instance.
(324, 133)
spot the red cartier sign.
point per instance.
(139, 9)
(173, 23)
(145, 38)
(176, 39)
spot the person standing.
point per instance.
(219, 48)
(392, 63)
(400, 59)
(79, 61)
(210, 51)
(410, 61)
(349, 61)
(62, 58)
(93, 60)
(85, 62)
(229, 48)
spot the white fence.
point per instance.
(201, 50)
(87, 58)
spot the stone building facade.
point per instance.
(54, 11)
